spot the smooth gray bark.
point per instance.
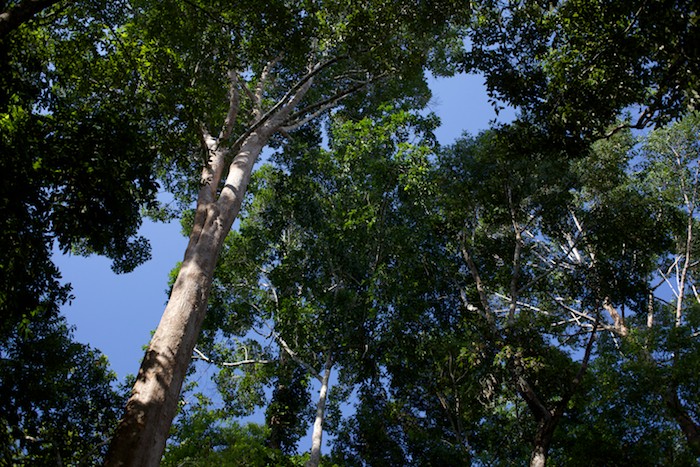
(141, 435)
(317, 435)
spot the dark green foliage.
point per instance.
(286, 415)
(76, 168)
(76, 164)
(430, 379)
(577, 64)
(444, 287)
(372, 436)
(619, 419)
(56, 397)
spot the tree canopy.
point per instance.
(524, 294)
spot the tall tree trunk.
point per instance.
(548, 420)
(317, 436)
(141, 435)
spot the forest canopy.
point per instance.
(525, 294)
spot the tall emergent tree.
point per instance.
(233, 78)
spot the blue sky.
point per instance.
(116, 313)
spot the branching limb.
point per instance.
(556, 264)
(515, 274)
(531, 398)
(618, 320)
(198, 355)
(290, 99)
(265, 77)
(576, 382)
(308, 113)
(479, 286)
(213, 169)
(312, 371)
(233, 106)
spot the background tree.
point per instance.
(58, 404)
(317, 261)
(507, 330)
(76, 171)
(576, 65)
(76, 168)
(657, 335)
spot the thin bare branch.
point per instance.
(265, 76)
(479, 285)
(233, 107)
(618, 320)
(290, 99)
(522, 304)
(515, 274)
(576, 382)
(247, 361)
(556, 264)
(308, 113)
(312, 371)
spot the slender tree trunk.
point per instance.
(690, 429)
(548, 420)
(141, 435)
(539, 456)
(317, 436)
(278, 412)
(543, 439)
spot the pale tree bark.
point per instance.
(317, 435)
(543, 439)
(141, 435)
(683, 274)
